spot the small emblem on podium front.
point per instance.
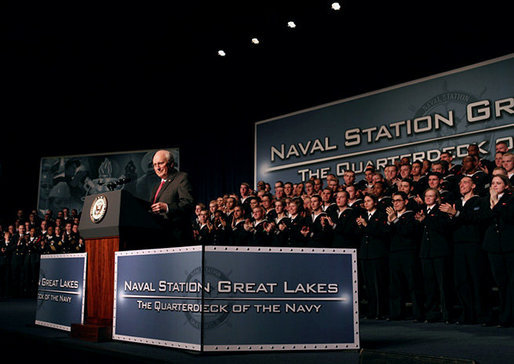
(98, 209)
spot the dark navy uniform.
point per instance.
(345, 229)
(499, 244)
(280, 233)
(404, 267)
(17, 262)
(372, 255)
(204, 235)
(259, 235)
(320, 235)
(238, 235)
(295, 237)
(467, 233)
(434, 252)
(5, 268)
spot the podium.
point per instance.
(110, 222)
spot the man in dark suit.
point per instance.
(172, 199)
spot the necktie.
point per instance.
(158, 190)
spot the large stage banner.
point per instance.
(418, 119)
(61, 290)
(219, 298)
(65, 181)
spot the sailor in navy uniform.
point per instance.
(343, 223)
(499, 244)
(19, 250)
(468, 216)
(372, 255)
(203, 234)
(481, 179)
(5, 265)
(434, 253)
(238, 235)
(320, 233)
(281, 223)
(297, 224)
(404, 268)
(260, 228)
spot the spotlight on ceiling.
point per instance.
(221, 53)
(255, 41)
(291, 24)
(336, 6)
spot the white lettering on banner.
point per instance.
(139, 286)
(300, 149)
(45, 282)
(481, 110)
(248, 287)
(312, 288)
(477, 111)
(293, 307)
(394, 130)
(166, 286)
(251, 287)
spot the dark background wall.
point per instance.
(97, 78)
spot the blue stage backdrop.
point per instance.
(61, 291)
(418, 119)
(64, 181)
(238, 298)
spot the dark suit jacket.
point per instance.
(345, 230)
(405, 233)
(319, 236)
(295, 237)
(238, 234)
(374, 237)
(435, 235)
(468, 224)
(177, 193)
(499, 235)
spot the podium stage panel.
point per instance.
(61, 290)
(219, 298)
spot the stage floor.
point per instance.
(381, 341)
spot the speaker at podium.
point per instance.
(110, 222)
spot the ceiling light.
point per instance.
(291, 24)
(336, 6)
(255, 41)
(221, 53)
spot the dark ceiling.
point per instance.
(84, 77)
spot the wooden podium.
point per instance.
(110, 222)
